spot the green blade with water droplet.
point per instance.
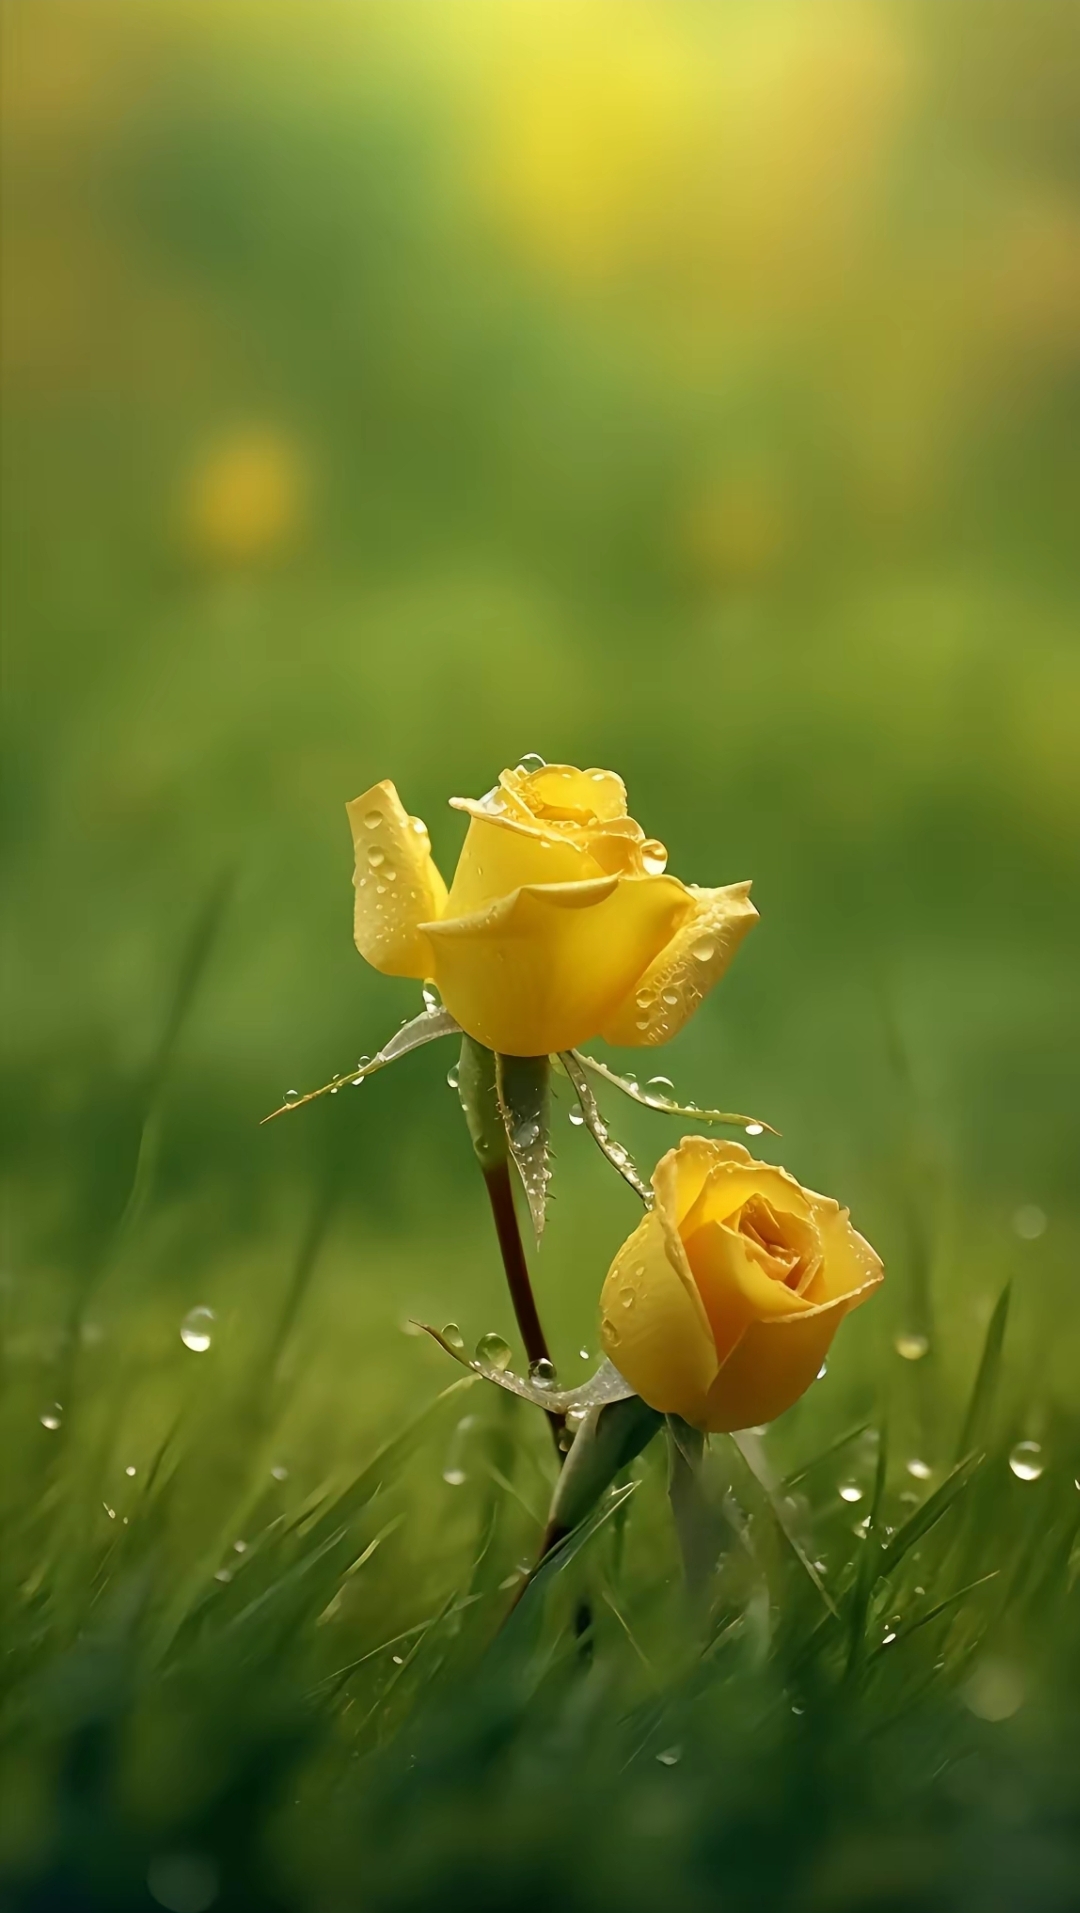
(669, 1107)
(522, 1083)
(980, 1406)
(618, 1157)
(412, 1035)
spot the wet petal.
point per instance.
(499, 855)
(666, 995)
(581, 797)
(849, 1265)
(737, 1284)
(653, 1326)
(398, 886)
(538, 970)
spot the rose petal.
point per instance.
(537, 971)
(653, 1326)
(735, 1284)
(666, 995)
(398, 885)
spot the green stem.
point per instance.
(479, 1099)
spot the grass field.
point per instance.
(390, 392)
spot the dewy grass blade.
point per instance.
(893, 1551)
(668, 1108)
(781, 1517)
(868, 1569)
(619, 1157)
(924, 1620)
(980, 1407)
(424, 1028)
(825, 1454)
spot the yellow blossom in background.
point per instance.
(246, 497)
(561, 923)
(723, 1303)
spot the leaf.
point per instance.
(868, 1569)
(671, 1108)
(781, 1516)
(422, 1029)
(618, 1157)
(980, 1406)
(923, 1519)
(607, 1385)
(522, 1083)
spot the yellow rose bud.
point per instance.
(722, 1304)
(560, 924)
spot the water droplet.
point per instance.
(240, 1547)
(822, 1372)
(850, 1491)
(1029, 1221)
(197, 1329)
(755, 1129)
(663, 1085)
(375, 856)
(995, 1690)
(704, 950)
(671, 998)
(111, 1512)
(526, 1134)
(920, 1469)
(454, 1473)
(542, 1373)
(643, 999)
(279, 1473)
(129, 1471)
(493, 1350)
(627, 1297)
(531, 762)
(52, 1416)
(223, 1574)
(1026, 1461)
(372, 819)
(584, 1353)
(452, 1076)
(911, 1345)
(291, 1095)
(888, 1639)
(609, 1332)
(576, 1117)
(431, 999)
(419, 826)
(453, 1337)
(653, 857)
(670, 1757)
(643, 1022)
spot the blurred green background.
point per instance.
(684, 388)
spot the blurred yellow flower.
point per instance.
(560, 924)
(722, 1304)
(245, 499)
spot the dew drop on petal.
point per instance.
(372, 819)
(703, 950)
(197, 1329)
(375, 856)
(653, 857)
(1026, 1461)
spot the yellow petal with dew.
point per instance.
(653, 1326)
(499, 855)
(398, 886)
(537, 971)
(666, 995)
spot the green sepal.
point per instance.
(607, 1440)
(523, 1091)
(478, 1091)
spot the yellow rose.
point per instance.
(559, 924)
(722, 1304)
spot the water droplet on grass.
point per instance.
(670, 1757)
(453, 1337)
(197, 1329)
(129, 1470)
(920, 1469)
(1026, 1461)
(452, 1076)
(52, 1416)
(850, 1491)
(280, 1473)
(911, 1345)
(1029, 1221)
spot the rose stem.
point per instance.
(476, 1088)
